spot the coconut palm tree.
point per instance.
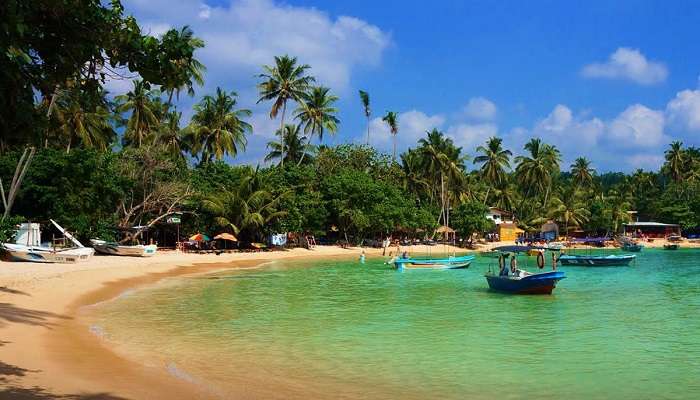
(537, 170)
(494, 162)
(218, 127)
(317, 114)
(91, 126)
(364, 96)
(569, 208)
(184, 71)
(582, 172)
(675, 161)
(391, 119)
(246, 207)
(283, 82)
(290, 147)
(174, 140)
(414, 177)
(143, 119)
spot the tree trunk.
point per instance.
(368, 130)
(284, 111)
(394, 146)
(303, 152)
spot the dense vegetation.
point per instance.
(126, 159)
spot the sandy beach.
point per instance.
(46, 351)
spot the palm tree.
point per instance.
(171, 137)
(76, 120)
(364, 96)
(413, 173)
(291, 146)
(218, 127)
(494, 162)
(618, 205)
(569, 209)
(283, 82)
(184, 71)
(675, 161)
(246, 207)
(391, 119)
(143, 119)
(582, 172)
(317, 114)
(537, 170)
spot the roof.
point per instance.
(642, 224)
(499, 211)
(445, 229)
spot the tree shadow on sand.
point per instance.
(10, 390)
(11, 313)
(5, 289)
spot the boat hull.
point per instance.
(47, 255)
(596, 261)
(542, 283)
(635, 248)
(412, 266)
(115, 249)
(433, 264)
(671, 247)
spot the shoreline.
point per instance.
(47, 350)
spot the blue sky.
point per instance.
(612, 81)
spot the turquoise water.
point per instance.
(338, 328)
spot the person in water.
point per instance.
(362, 257)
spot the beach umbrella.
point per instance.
(226, 236)
(199, 237)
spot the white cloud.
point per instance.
(629, 64)
(412, 126)
(567, 131)
(638, 126)
(480, 109)
(469, 136)
(683, 112)
(156, 28)
(649, 162)
(245, 34)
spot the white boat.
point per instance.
(34, 252)
(115, 249)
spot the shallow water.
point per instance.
(338, 328)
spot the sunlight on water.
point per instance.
(365, 330)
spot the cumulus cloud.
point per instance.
(412, 126)
(243, 35)
(628, 64)
(683, 111)
(469, 136)
(480, 109)
(638, 126)
(568, 131)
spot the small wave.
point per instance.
(178, 373)
(98, 331)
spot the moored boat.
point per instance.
(34, 252)
(596, 261)
(406, 263)
(516, 281)
(671, 246)
(115, 249)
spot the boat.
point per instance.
(596, 261)
(515, 281)
(115, 249)
(671, 246)
(452, 262)
(555, 245)
(34, 252)
(628, 244)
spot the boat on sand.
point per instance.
(115, 249)
(33, 252)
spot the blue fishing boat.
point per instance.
(612, 260)
(452, 262)
(515, 281)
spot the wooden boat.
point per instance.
(515, 281)
(527, 283)
(596, 261)
(44, 254)
(671, 246)
(115, 249)
(632, 247)
(405, 263)
(40, 254)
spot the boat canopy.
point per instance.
(517, 249)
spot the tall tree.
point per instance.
(283, 82)
(364, 96)
(143, 119)
(569, 208)
(494, 161)
(675, 161)
(391, 119)
(183, 70)
(536, 170)
(582, 172)
(82, 123)
(218, 126)
(317, 114)
(291, 146)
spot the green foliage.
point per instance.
(470, 217)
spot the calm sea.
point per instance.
(341, 329)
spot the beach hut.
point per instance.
(508, 232)
(226, 237)
(446, 231)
